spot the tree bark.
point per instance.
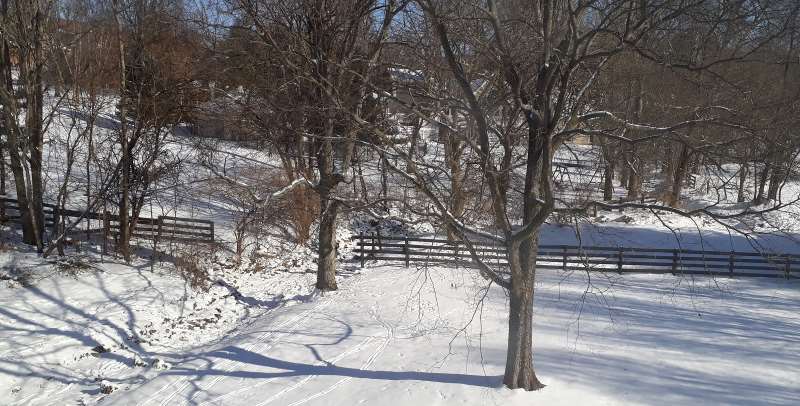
(329, 207)
(25, 145)
(519, 373)
(326, 266)
(608, 171)
(453, 149)
(761, 180)
(123, 245)
(679, 173)
(742, 180)
(33, 120)
(634, 181)
(776, 179)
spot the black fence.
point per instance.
(161, 228)
(582, 258)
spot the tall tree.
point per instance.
(25, 26)
(547, 57)
(323, 51)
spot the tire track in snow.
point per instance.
(260, 348)
(293, 322)
(365, 365)
(228, 365)
(352, 350)
(381, 348)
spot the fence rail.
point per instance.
(161, 228)
(582, 258)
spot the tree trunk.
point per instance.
(761, 180)
(2, 178)
(123, 245)
(742, 180)
(668, 171)
(608, 170)
(624, 172)
(776, 179)
(679, 173)
(326, 265)
(608, 181)
(25, 145)
(453, 150)
(519, 357)
(33, 118)
(634, 182)
(384, 184)
(329, 207)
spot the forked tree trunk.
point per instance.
(519, 372)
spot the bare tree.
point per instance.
(25, 27)
(321, 50)
(546, 57)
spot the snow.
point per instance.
(66, 330)
(396, 336)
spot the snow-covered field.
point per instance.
(394, 336)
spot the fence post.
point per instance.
(788, 268)
(55, 219)
(106, 230)
(730, 264)
(619, 261)
(361, 249)
(564, 264)
(212, 231)
(405, 249)
(674, 261)
(159, 230)
(372, 241)
(594, 209)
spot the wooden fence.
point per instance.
(583, 258)
(161, 228)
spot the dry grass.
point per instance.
(190, 268)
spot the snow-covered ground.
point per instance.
(395, 336)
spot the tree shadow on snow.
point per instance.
(286, 369)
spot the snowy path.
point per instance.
(385, 338)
